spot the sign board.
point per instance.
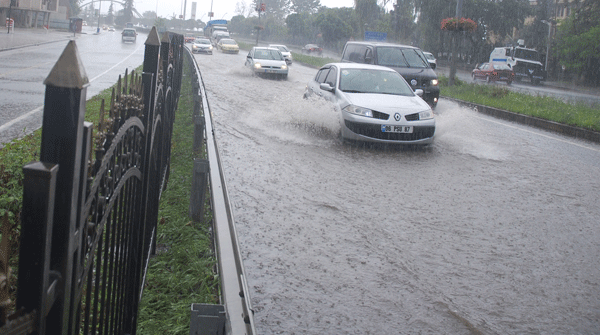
(211, 14)
(193, 11)
(375, 36)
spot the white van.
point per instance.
(128, 35)
(524, 62)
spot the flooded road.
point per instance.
(493, 229)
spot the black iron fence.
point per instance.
(90, 205)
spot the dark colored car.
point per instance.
(407, 60)
(312, 48)
(493, 72)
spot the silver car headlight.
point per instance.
(358, 111)
(284, 67)
(426, 115)
(434, 82)
(257, 66)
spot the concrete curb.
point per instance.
(563, 129)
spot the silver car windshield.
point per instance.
(373, 81)
(268, 54)
(400, 57)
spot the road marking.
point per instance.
(38, 109)
(23, 116)
(538, 133)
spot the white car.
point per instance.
(375, 103)
(287, 53)
(202, 45)
(430, 59)
(270, 61)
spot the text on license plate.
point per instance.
(396, 129)
(270, 71)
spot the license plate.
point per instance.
(270, 71)
(396, 129)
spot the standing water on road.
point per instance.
(493, 229)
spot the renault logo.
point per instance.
(397, 117)
(413, 82)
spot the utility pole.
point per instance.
(459, 4)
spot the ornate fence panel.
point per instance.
(90, 206)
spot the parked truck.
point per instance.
(524, 62)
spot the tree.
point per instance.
(578, 42)
(367, 12)
(333, 28)
(403, 20)
(149, 14)
(305, 6)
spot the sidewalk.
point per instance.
(22, 37)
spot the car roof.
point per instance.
(359, 66)
(264, 48)
(226, 39)
(382, 44)
(276, 45)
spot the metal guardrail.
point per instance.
(239, 318)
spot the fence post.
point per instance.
(39, 186)
(149, 86)
(62, 141)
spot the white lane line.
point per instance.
(38, 109)
(506, 124)
(21, 117)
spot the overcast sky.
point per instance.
(223, 9)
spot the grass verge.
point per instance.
(548, 108)
(182, 271)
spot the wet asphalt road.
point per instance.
(24, 70)
(493, 229)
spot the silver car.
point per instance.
(202, 45)
(264, 60)
(376, 104)
(287, 53)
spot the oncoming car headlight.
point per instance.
(426, 115)
(434, 82)
(257, 65)
(284, 67)
(358, 111)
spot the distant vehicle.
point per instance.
(262, 60)
(376, 103)
(431, 59)
(217, 35)
(228, 45)
(312, 48)
(523, 61)
(84, 23)
(491, 72)
(111, 28)
(188, 38)
(214, 25)
(287, 53)
(202, 45)
(128, 35)
(407, 60)
(129, 25)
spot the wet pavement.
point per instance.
(23, 37)
(491, 230)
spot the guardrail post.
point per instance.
(199, 186)
(62, 143)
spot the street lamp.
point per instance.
(548, 47)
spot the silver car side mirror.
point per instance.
(326, 87)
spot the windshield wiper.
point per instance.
(352, 91)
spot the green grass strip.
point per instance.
(548, 108)
(182, 271)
